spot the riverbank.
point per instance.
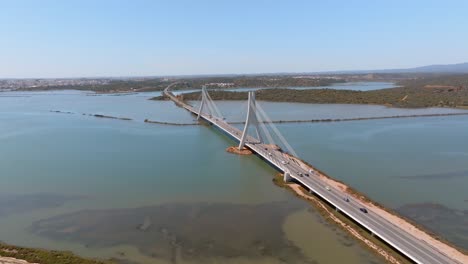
(411, 228)
(6, 260)
(402, 97)
(20, 255)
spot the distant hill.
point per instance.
(441, 68)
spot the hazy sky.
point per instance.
(42, 38)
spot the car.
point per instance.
(311, 171)
(364, 210)
(306, 174)
(269, 153)
(328, 188)
(346, 199)
(284, 162)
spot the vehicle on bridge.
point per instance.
(408, 245)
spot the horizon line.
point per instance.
(334, 72)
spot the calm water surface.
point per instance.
(54, 164)
(169, 185)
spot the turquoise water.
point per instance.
(72, 162)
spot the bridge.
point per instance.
(294, 169)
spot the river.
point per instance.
(162, 194)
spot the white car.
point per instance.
(328, 188)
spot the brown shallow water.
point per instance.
(175, 232)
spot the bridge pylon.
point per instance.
(251, 120)
(203, 101)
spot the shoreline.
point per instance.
(21, 255)
(8, 260)
(401, 97)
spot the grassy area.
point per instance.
(404, 97)
(45, 256)
(417, 92)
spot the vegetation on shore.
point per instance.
(268, 81)
(42, 256)
(418, 92)
(403, 97)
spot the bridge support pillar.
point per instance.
(287, 177)
(251, 119)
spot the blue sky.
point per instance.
(139, 38)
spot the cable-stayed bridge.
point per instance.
(262, 143)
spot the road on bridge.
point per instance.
(415, 249)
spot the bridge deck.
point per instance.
(413, 248)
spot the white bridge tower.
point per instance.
(251, 119)
(203, 99)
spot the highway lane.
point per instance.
(390, 233)
(393, 235)
(374, 222)
(412, 247)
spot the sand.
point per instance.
(5, 260)
(235, 150)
